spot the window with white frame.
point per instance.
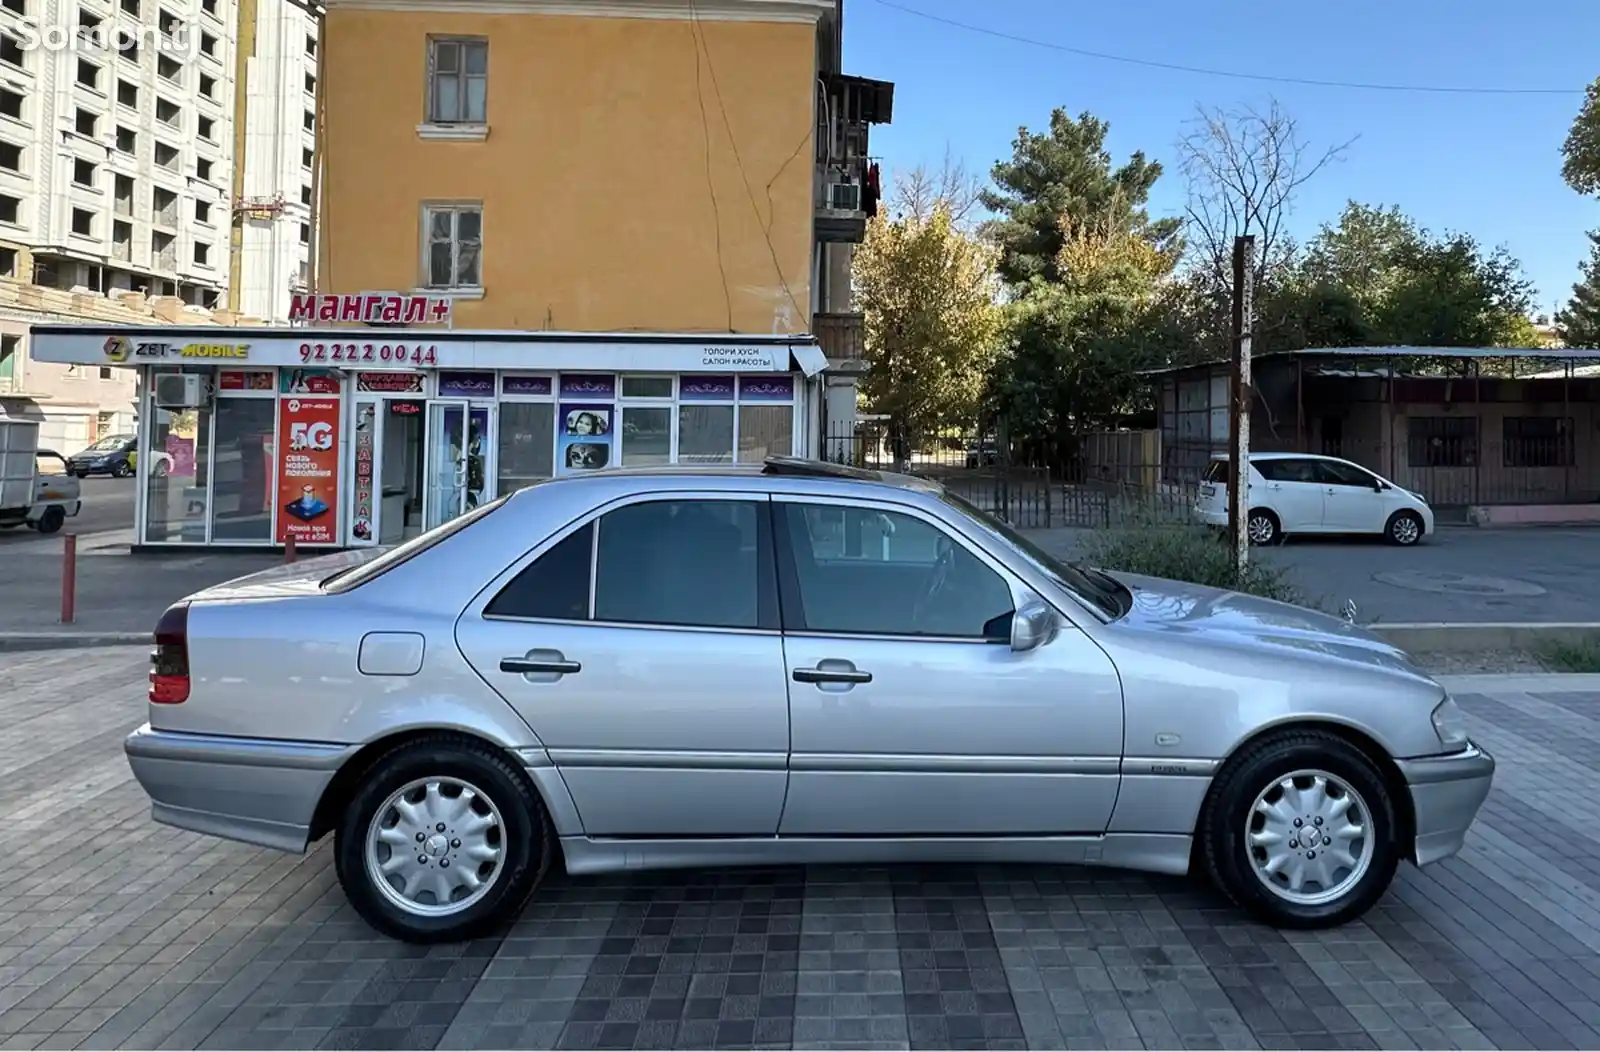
(453, 242)
(646, 428)
(458, 80)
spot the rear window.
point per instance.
(345, 580)
(1217, 471)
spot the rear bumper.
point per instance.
(1446, 793)
(248, 789)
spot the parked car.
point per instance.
(983, 454)
(727, 666)
(110, 455)
(35, 489)
(1300, 493)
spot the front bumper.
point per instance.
(253, 790)
(1446, 793)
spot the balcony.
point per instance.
(845, 199)
(842, 338)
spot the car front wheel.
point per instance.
(1404, 528)
(443, 841)
(1301, 831)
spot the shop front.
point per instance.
(248, 437)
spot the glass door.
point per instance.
(480, 455)
(445, 490)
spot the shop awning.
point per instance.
(415, 348)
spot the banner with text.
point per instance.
(308, 471)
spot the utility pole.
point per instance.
(1244, 271)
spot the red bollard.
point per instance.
(288, 549)
(69, 577)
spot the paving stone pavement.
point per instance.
(115, 932)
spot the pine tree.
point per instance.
(1579, 323)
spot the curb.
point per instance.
(1462, 637)
(10, 641)
(1520, 682)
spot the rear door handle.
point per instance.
(522, 666)
(831, 675)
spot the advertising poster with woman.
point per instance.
(585, 438)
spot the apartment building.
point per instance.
(620, 165)
(117, 180)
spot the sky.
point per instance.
(1484, 164)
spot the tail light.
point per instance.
(169, 658)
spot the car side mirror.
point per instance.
(1033, 625)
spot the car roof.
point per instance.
(772, 468)
(1278, 456)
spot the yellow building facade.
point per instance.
(604, 166)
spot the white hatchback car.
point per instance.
(1302, 493)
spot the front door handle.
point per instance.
(523, 666)
(831, 675)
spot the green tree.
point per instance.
(1579, 322)
(927, 290)
(1066, 173)
(1580, 154)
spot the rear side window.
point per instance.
(554, 586)
(1216, 471)
(1287, 470)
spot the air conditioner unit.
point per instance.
(182, 391)
(844, 197)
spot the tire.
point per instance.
(1404, 528)
(524, 840)
(1254, 774)
(51, 521)
(160, 470)
(1262, 527)
(121, 471)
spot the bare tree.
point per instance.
(1243, 167)
(918, 191)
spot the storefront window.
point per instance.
(241, 494)
(179, 471)
(646, 435)
(765, 431)
(705, 434)
(527, 444)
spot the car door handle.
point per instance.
(831, 675)
(522, 666)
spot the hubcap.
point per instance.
(1405, 530)
(1310, 837)
(1260, 529)
(435, 847)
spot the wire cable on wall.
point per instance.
(711, 185)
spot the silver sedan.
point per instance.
(786, 663)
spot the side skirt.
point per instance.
(1150, 852)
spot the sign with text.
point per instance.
(121, 350)
(389, 383)
(244, 380)
(370, 308)
(456, 384)
(308, 381)
(308, 470)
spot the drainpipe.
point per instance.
(244, 51)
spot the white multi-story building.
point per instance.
(117, 171)
(280, 121)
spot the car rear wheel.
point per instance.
(1404, 528)
(1301, 831)
(443, 841)
(1262, 527)
(121, 471)
(51, 521)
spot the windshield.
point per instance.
(110, 442)
(1099, 590)
(356, 576)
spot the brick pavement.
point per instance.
(115, 932)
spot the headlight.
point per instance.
(1450, 723)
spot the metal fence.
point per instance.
(1112, 478)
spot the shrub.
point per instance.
(1184, 553)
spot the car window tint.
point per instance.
(1336, 474)
(1287, 470)
(553, 586)
(859, 570)
(1216, 471)
(696, 563)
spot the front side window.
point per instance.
(683, 563)
(871, 572)
(458, 74)
(1333, 473)
(454, 241)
